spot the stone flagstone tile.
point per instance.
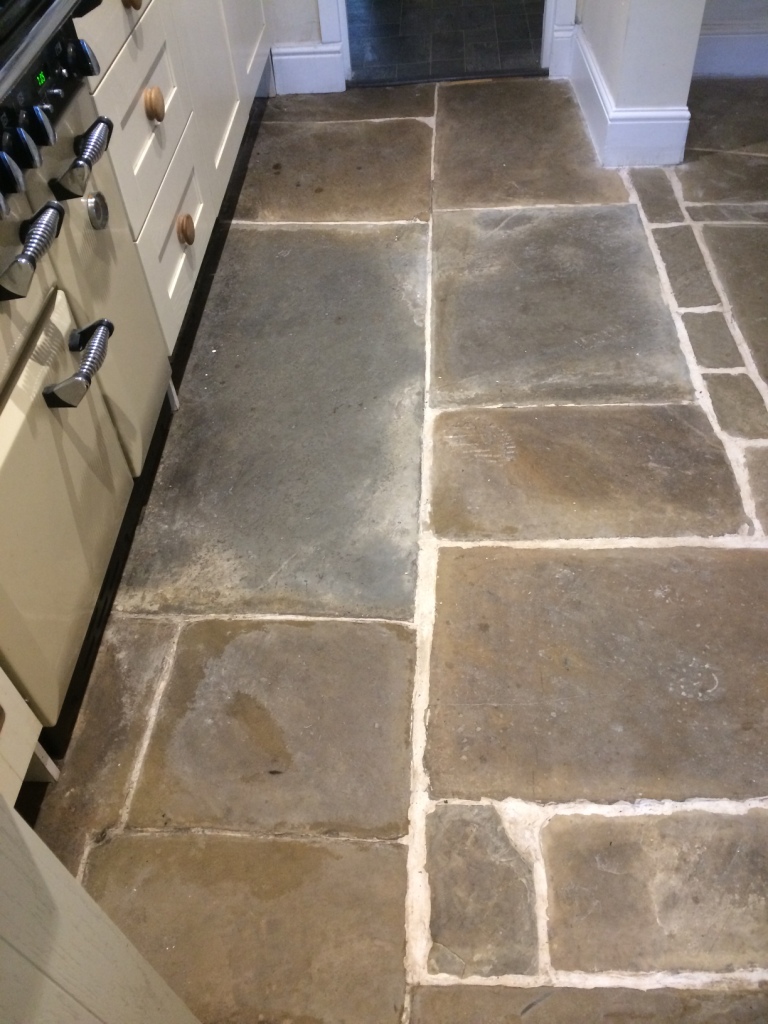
(245, 929)
(290, 481)
(283, 727)
(738, 405)
(599, 675)
(754, 212)
(655, 192)
(723, 177)
(361, 171)
(551, 306)
(94, 778)
(712, 342)
(355, 104)
(641, 471)
(757, 465)
(728, 113)
(687, 891)
(483, 919)
(685, 265)
(491, 150)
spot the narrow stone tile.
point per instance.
(686, 268)
(363, 171)
(355, 105)
(491, 151)
(92, 789)
(551, 306)
(656, 195)
(723, 177)
(483, 918)
(712, 342)
(738, 405)
(465, 1004)
(683, 892)
(290, 482)
(757, 465)
(728, 113)
(249, 735)
(578, 472)
(599, 675)
(245, 929)
(756, 213)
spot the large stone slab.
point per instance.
(355, 105)
(283, 727)
(246, 930)
(551, 306)
(290, 482)
(713, 177)
(599, 675)
(728, 114)
(684, 892)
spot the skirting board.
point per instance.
(732, 53)
(311, 67)
(625, 136)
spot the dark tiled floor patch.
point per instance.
(738, 405)
(655, 192)
(685, 265)
(243, 928)
(599, 675)
(354, 105)
(551, 306)
(250, 735)
(728, 113)
(712, 342)
(314, 509)
(684, 892)
(346, 171)
(724, 177)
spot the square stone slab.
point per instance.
(290, 481)
(363, 171)
(687, 891)
(641, 471)
(728, 113)
(738, 405)
(551, 306)
(712, 341)
(723, 177)
(656, 195)
(685, 265)
(283, 727)
(91, 791)
(599, 675)
(492, 151)
(355, 104)
(757, 464)
(246, 929)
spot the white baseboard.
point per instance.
(561, 52)
(625, 136)
(732, 53)
(310, 67)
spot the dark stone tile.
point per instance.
(355, 104)
(416, 21)
(447, 46)
(249, 735)
(685, 265)
(756, 213)
(712, 342)
(491, 150)
(418, 72)
(512, 25)
(481, 57)
(381, 31)
(523, 59)
(367, 73)
(757, 465)
(373, 49)
(483, 919)
(465, 1004)
(290, 481)
(360, 171)
(413, 50)
(245, 928)
(683, 892)
(724, 178)
(475, 16)
(602, 675)
(442, 69)
(738, 405)
(551, 305)
(92, 789)
(728, 113)
(645, 471)
(656, 195)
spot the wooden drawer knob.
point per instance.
(135, 4)
(154, 103)
(185, 229)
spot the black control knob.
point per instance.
(11, 178)
(37, 125)
(21, 147)
(81, 60)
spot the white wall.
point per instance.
(737, 15)
(293, 21)
(605, 26)
(734, 38)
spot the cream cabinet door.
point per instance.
(249, 43)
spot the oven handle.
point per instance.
(69, 393)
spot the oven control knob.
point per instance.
(89, 147)
(37, 125)
(37, 234)
(11, 178)
(81, 60)
(69, 393)
(21, 147)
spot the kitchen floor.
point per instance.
(435, 690)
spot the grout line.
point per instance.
(730, 981)
(271, 224)
(512, 406)
(184, 618)
(727, 371)
(428, 119)
(728, 542)
(167, 832)
(527, 207)
(538, 814)
(717, 308)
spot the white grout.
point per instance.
(272, 224)
(728, 542)
(741, 980)
(183, 618)
(491, 406)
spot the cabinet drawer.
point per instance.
(106, 29)
(19, 730)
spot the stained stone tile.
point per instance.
(685, 265)
(362, 171)
(249, 734)
(656, 195)
(290, 481)
(491, 150)
(756, 213)
(728, 113)
(683, 892)
(483, 919)
(551, 306)
(724, 177)
(757, 465)
(599, 675)
(738, 405)
(91, 791)
(641, 471)
(355, 104)
(245, 929)
(712, 342)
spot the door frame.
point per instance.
(334, 28)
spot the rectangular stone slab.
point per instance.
(712, 341)
(685, 266)
(656, 195)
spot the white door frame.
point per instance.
(334, 27)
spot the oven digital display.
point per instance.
(41, 78)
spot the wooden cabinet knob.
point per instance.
(154, 103)
(135, 4)
(185, 229)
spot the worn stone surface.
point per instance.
(757, 465)
(602, 675)
(683, 892)
(685, 265)
(468, 1005)
(245, 929)
(483, 918)
(723, 177)
(655, 192)
(355, 104)
(712, 342)
(290, 481)
(280, 727)
(738, 405)
(92, 789)
(750, 212)
(362, 171)
(551, 305)
(491, 151)
(581, 472)
(728, 113)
